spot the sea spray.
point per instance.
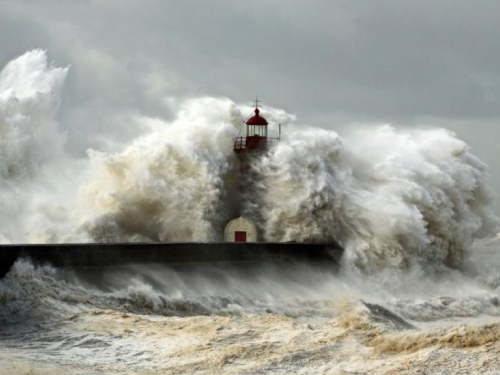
(392, 197)
(169, 185)
(34, 173)
(30, 90)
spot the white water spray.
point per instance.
(390, 196)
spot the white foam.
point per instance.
(392, 197)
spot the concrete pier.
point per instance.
(101, 256)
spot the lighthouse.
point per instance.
(249, 148)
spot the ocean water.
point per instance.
(417, 290)
(154, 320)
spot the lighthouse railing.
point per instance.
(240, 143)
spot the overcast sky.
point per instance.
(333, 63)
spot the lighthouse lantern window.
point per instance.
(257, 130)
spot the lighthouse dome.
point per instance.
(256, 119)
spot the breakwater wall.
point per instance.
(82, 256)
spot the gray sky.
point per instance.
(333, 63)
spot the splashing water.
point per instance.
(154, 319)
(169, 185)
(391, 197)
(404, 203)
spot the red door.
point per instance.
(240, 236)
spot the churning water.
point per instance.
(417, 289)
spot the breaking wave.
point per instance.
(274, 322)
(28, 291)
(392, 197)
(169, 185)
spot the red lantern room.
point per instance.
(256, 139)
(257, 125)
